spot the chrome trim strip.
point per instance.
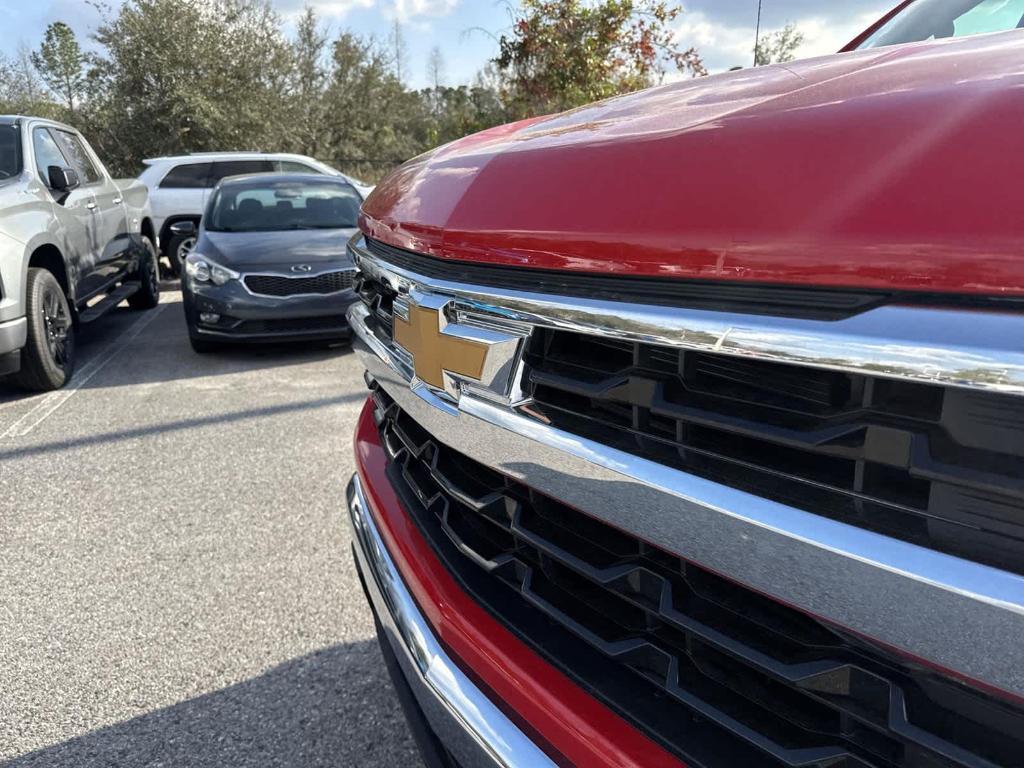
(960, 615)
(962, 348)
(498, 741)
(303, 276)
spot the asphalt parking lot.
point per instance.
(176, 585)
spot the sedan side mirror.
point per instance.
(62, 179)
(183, 228)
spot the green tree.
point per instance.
(377, 123)
(309, 77)
(778, 47)
(460, 111)
(181, 76)
(62, 65)
(564, 53)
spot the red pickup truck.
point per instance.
(696, 433)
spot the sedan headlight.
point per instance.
(202, 270)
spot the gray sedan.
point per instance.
(270, 262)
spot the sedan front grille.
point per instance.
(717, 673)
(280, 285)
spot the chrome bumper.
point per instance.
(472, 728)
(960, 615)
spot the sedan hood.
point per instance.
(897, 167)
(241, 250)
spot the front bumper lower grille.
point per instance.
(297, 325)
(717, 673)
(280, 285)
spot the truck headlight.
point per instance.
(202, 270)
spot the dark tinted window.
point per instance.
(238, 167)
(10, 151)
(274, 203)
(47, 153)
(191, 176)
(75, 152)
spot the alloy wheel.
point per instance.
(57, 321)
(185, 248)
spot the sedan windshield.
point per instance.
(10, 151)
(265, 204)
(934, 19)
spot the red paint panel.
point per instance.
(581, 729)
(896, 168)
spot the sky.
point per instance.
(466, 31)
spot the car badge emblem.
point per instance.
(302, 268)
(449, 356)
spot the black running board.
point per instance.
(111, 300)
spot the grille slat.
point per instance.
(776, 681)
(280, 285)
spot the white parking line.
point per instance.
(51, 402)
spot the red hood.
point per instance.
(896, 168)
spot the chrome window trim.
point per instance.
(955, 613)
(976, 349)
(306, 275)
(481, 734)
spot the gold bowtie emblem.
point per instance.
(434, 351)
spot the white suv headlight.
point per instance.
(202, 270)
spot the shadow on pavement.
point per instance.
(183, 424)
(334, 707)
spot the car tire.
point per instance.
(148, 275)
(178, 248)
(202, 346)
(48, 358)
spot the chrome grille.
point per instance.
(781, 516)
(934, 465)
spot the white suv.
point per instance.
(179, 187)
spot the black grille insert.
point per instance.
(324, 323)
(279, 285)
(718, 674)
(937, 466)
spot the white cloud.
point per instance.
(822, 37)
(404, 10)
(723, 46)
(326, 9)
